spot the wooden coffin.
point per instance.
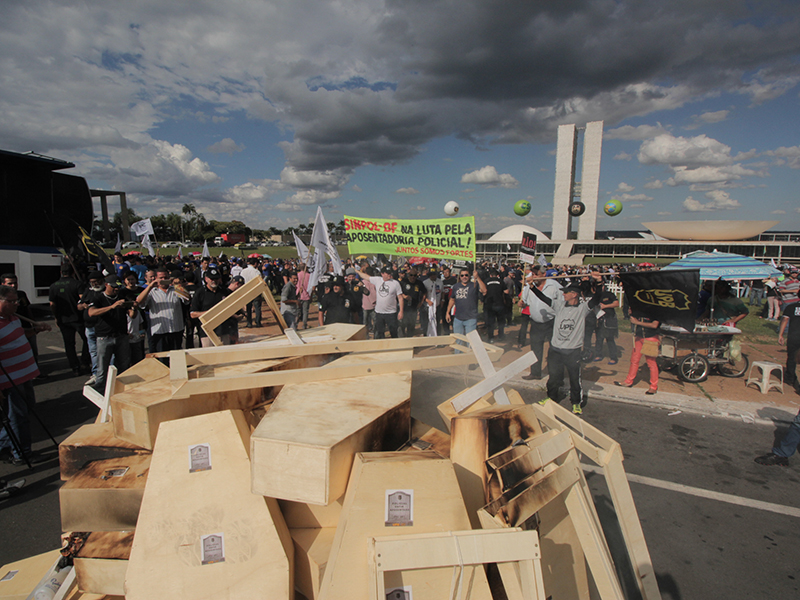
(397, 493)
(312, 547)
(19, 578)
(303, 448)
(105, 495)
(141, 403)
(94, 441)
(203, 534)
(102, 561)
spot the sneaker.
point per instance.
(543, 402)
(772, 460)
(91, 381)
(576, 409)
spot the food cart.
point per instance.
(695, 353)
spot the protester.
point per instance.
(541, 316)
(773, 299)
(64, 296)
(567, 341)
(724, 306)
(18, 371)
(607, 328)
(462, 308)
(164, 304)
(388, 303)
(111, 307)
(290, 301)
(368, 302)
(211, 294)
(645, 343)
(413, 294)
(495, 305)
(249, 273)
(96, 286)
(790, 325)
(303, 277)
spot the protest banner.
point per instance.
(666, 296)
(430, 238)
(527, 250)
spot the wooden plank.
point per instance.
(312, 547)
(584, 446)
(105, 495)
(631, 527)
(29, 572)
(594, 545)
(292, 336)
(275, 378)
(303, 448)
(273, 306)
(485, 364)
(473, 394)
(90, 442)
(457, 549)
(477, 436)
(228, 306)
(177, 369)
(437, 507)
(180, 507)
(348, 341)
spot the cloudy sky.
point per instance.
(260, 110)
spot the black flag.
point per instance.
(665, 296)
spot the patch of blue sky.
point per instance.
(354, 83)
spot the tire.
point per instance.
(734, 369)
(693, 368)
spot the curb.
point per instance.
(726, 409)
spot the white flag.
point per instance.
(302, 249)
(205, 250)
(542, 260)
(146, 243)
(118, 247)
(180, 252)
(143, 227)
(322, 241)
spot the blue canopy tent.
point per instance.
(722, 265)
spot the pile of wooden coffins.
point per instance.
(292, 467)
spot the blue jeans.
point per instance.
(108, 347)
(91, 341)
(465, 326)
(18, 417)
(788, 445)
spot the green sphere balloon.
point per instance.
(613, 207)
(522, 207)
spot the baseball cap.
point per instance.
(350, 271)
(113, 281)
(238, 279)
(572, 288)
(213, 273)
(338, 280)
(95, 275)
(386, 270)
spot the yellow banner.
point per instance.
(450, 239)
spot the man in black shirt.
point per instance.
(111, 330)
(64, 296)
(448, 281)
(335, 307)
(413, 293)
(211, 294)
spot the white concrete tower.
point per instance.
(566, 151)
(590, 178)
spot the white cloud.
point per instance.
(719, 200)
(225, 146)
(790, 156)
(418, 208)
(634, 198)
(407, 190)
(664, 213)
(654, 185)
(778, 212)
(628, 132)
(249, 192)
(624, 187)
(708, 117)
(356, 188)
(489, 177)
(623, 156)
(684, 152)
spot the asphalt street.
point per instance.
(717, 524)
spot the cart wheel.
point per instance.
(693, 368)
(734, 368)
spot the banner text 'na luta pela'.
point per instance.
(429, 238)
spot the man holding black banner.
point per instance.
(566, 345)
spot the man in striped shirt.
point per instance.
(165, 305)
(16, 377)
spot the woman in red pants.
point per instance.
(644, 332)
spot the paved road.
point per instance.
(702, 547)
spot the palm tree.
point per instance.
(190, 211)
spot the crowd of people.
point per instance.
(153, 304)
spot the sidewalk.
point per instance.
(717, 396)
